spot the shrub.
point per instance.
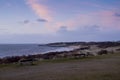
(102, 52)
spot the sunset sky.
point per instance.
(45, 21)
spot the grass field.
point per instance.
(105, 67)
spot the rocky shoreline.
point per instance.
(80, 51)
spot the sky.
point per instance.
(46, 21)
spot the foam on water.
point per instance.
(27, 49)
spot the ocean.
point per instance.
(27, 49)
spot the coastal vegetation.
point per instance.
(84, 50)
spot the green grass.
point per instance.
(96, 76)
(80, 59)
(63, 60)
(108, 68)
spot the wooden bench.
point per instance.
(79, 55)
(26, 61)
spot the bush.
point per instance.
(102, 52)
(10, 59)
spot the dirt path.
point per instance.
(96, 69)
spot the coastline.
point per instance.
(52, 49)
(71, 51)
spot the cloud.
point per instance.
(63, 29)
(26, 21)
(104, 19)
(117, 14)
(88, 33)
(40, 9)
(44, 13)
(42, 20)
(84, 34)
(33, 22)
(2, 29)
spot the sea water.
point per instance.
(28, 49)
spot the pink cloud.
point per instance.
(104, 19)
(41, 10)
(107, 20)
